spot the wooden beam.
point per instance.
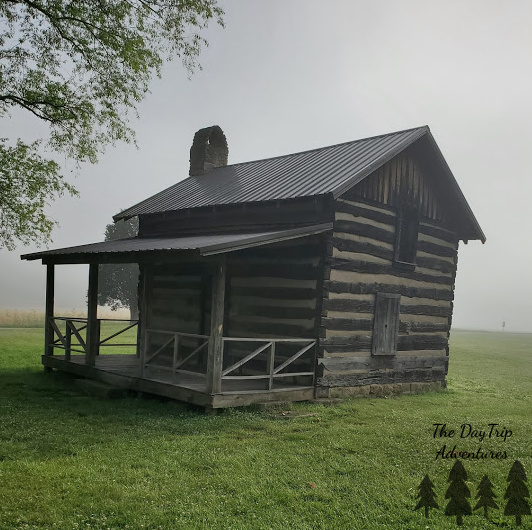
(49, 312)
(144, 307)
(214, 358)
(93, 335)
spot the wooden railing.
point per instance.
(269, 364)
(244, 359)
(174, 352)
(76, 328)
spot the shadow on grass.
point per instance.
(46, 415)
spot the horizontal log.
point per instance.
(271, 283)
(281, 252)
(272, 311)
(176, 279)
(381, 251)
(355, 342)
(421, 342)
(438, 232)
(381, 377)
(435, 249)
(176, 269)
(411, 342)
(445, 293)
(422, 327)
(363, 343)
(176, 307)
(249, 216)
(162, 293)
(435, 264)
(348, 324)
(276, 293)
(172, 324)
(238, 328)
(270, 302)
(349, 305)
(362, 229)
(358, 210)
(337, 364)
(348, 245)
(429, 226)
(430, 310)
(353, 195)
(270, 270)
(354, 305)
(379, 268)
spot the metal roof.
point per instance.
(317, 172)
(205, 244)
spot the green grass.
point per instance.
(70, 461)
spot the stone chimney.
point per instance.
(209, 151)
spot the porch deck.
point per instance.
(123, 370)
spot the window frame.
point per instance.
(407, 223)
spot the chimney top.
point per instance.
(209, 150)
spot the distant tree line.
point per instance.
(118, 283)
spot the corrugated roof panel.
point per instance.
(206, 244)
(315, 172)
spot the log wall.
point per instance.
(176, 300)
(359, 264)
(272, 291)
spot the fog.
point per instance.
(284, 77)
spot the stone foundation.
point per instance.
(393, 389)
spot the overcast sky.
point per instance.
(291, 75)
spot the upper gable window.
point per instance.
(406, 238)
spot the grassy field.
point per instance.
(18, 318)
(69, 461)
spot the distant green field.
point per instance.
(68, 461)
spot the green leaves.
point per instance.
(27, 182)
(118, 283)
(82, 66)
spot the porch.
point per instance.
(174, 364)
(225, 319)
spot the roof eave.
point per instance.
(103, 252)
(476, 229)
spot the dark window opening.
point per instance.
(406, 238)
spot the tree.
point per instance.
(81, 67)
(458, 492)
(118, 283)
(427, 497)
(516, 493)
(485, 496)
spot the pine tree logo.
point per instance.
(516, 493)
(427, 497)
(485, 496)
(458, 492)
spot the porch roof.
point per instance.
(125, 250)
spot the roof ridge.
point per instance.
(316, 149)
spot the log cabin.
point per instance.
(325, 273)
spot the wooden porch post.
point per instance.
(144, 309)
(49, 312)
(214, 358)
(93, 335)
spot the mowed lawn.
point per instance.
(70, 461)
